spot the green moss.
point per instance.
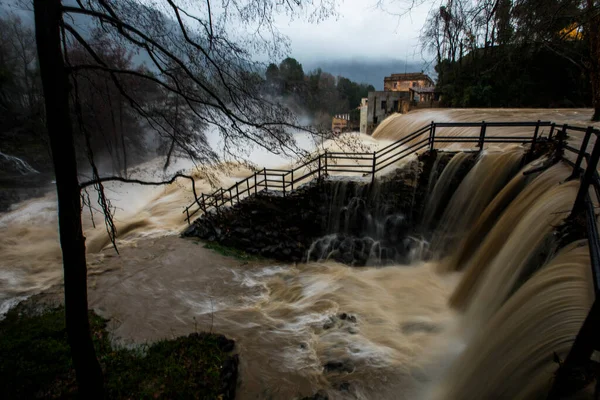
(231, 252)
(35, 362)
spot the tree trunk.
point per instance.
(594, 39)
(72, 241)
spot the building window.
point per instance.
(415, 84)
(395, 106)
(395, 85)
(383, 104)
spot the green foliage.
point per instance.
(513, 76)
(35, 362)
(290, 71)
(317, 92)
(272, 73)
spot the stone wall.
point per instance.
(350, 220)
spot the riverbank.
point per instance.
(35, 361)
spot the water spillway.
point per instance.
(489, 230)
(486, 299)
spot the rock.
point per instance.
(344, 387)
(347, 317)
(284, 227)
(338, 366)
(225, 344)
(320, 395)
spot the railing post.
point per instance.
(231, 196)
(255, 184)
(535, 136)
(552, 127)
(482, 135)
(203, 206)
(248, 186)
(561, 137)
(266, 183)
(283, 183)
(582, 150)
(237, 192)
(326, 163)
(374, 166)
(187, 211)
(586, 179)
(319, 170)
(432, 136)
(221, 200)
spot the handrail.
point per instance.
(426, 136)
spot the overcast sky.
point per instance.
(363, 42)
(361, 31)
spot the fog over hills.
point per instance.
(364, 70)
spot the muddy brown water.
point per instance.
(286, 319)
(406, 341)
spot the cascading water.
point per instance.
(480, 320)
(443, 187)
(10, 163)
(368, 223)
(487, 177)
(512, 356)
(503, 227)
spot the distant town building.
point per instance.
(339, 123)
(400, 93)
(404, 82)
(384, 103)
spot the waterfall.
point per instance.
(443, 187)
(12, 163)
(492, 220)
(513, 355)
(487, 177)
(475, 300)
(503, 229)
(368, 223)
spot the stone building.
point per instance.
(382, 104)
(349, 122)
(399, 90)
(427, 95)
(404, 82)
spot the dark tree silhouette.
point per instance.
(72, 241)
(201, 68)
(461, 32)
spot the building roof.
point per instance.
(410, 76)
(424, 89)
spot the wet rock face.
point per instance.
(268, 225)
(355, 222)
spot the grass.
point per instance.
(35, 362)
(231, 252)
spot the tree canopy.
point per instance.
(516, 53)
(316, 93)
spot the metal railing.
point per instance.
(285, 181)
(584, 168)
